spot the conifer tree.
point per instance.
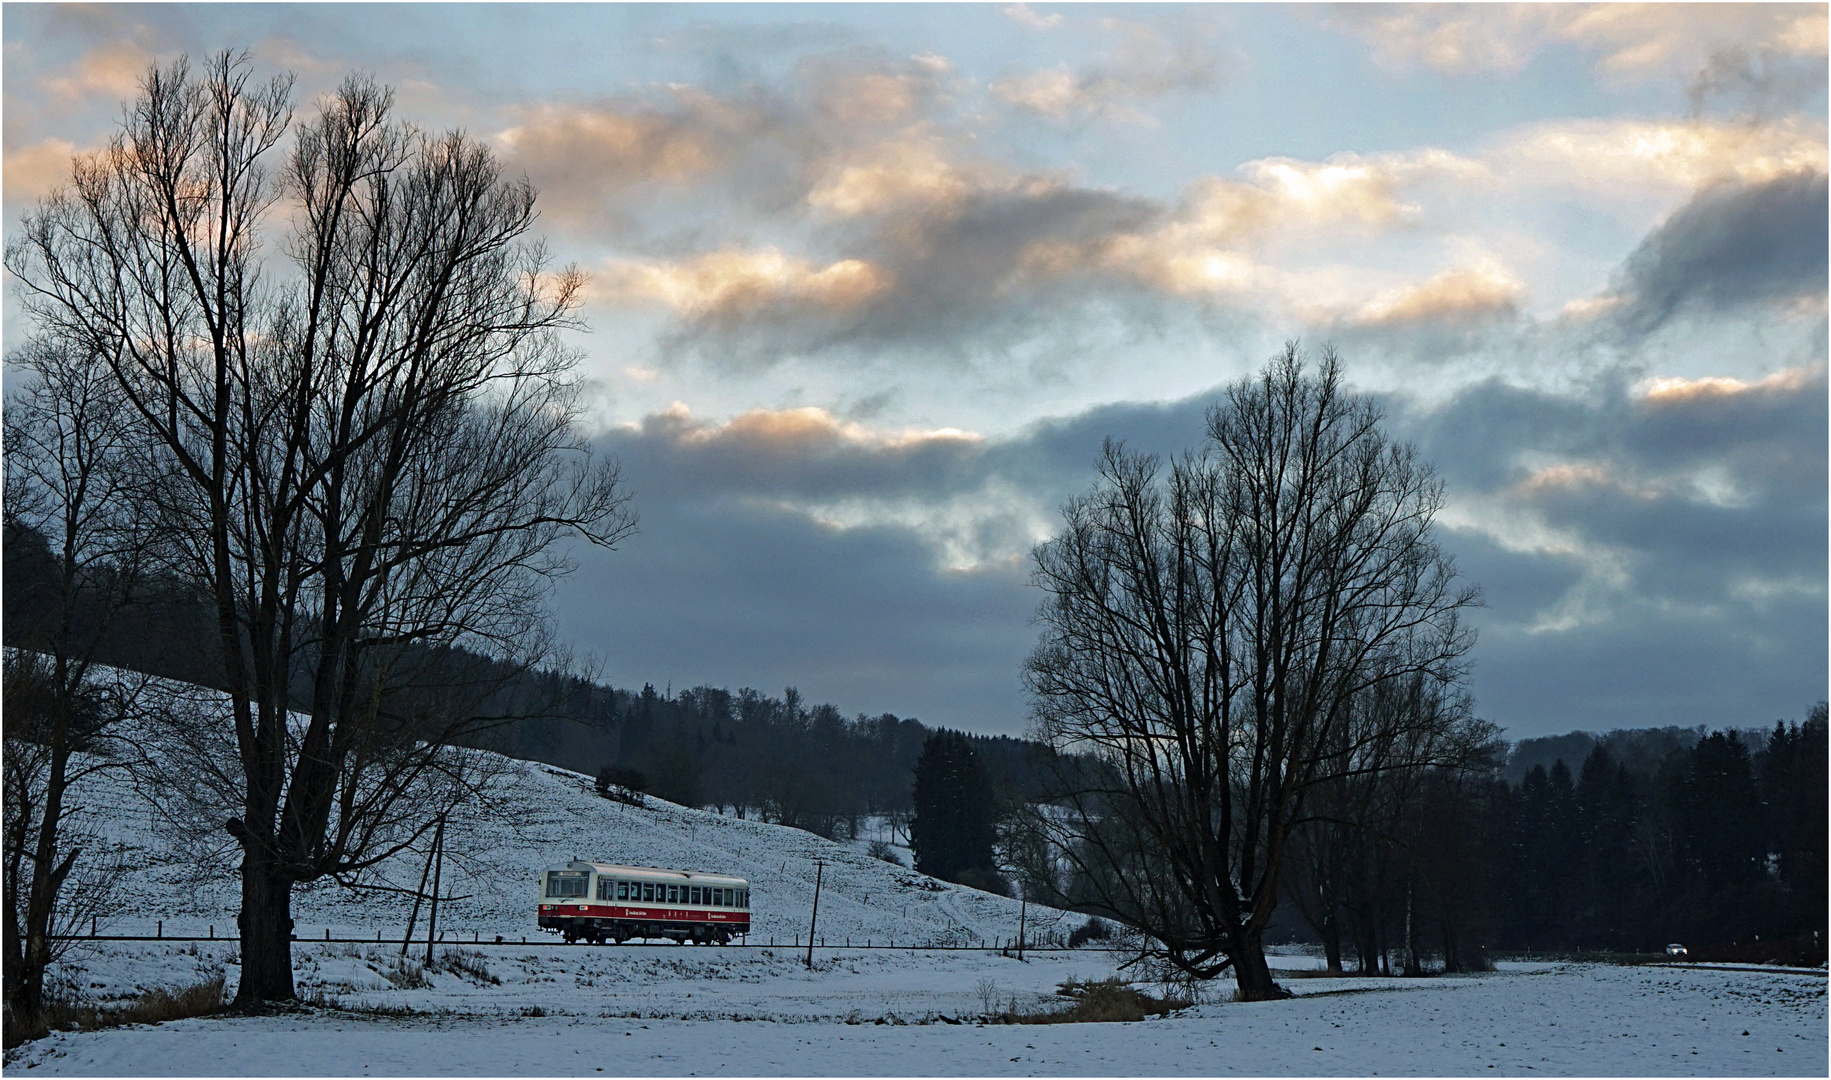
(951, 834)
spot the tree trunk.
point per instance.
(1252, 975)
(1412, 968)
(266, 929)
(1452, 963)
(1330, 931)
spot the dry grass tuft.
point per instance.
(1105, 1001)
(153, 1007)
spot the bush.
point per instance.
(880, 850)
(1093, 929)
(1105, 1001)
(983, 880)
(621, 783)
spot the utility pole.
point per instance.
(432, 920)
(1023, 909)
(819, 867)
(419, 894)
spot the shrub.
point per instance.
(1102, 1002)
(621, 783)
(1093, 929)
(881, 850)
(983, 880)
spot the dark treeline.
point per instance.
(1711, 844)
(775, 758)
(1656, 836)
(748, 753)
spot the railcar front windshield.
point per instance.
(566, 883)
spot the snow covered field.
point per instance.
(667, 1010)
(542, 1008)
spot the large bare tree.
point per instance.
(345, 352)
(1207, 628)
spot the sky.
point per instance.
(869, 284)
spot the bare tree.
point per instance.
(69, 454)
(365, 450)
(1206, 631)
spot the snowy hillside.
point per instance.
(538, 815)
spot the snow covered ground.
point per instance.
(665, 1010)
(533, 1006)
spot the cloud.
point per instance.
(914, 170)
(1628, 41)
(587, 159)
(1457, 295)
(1148, 62)
(1654, 544)
(1676, 390)
(1025, 15)
(32, 171)
(756, 145)
(734, 284)
(112, 70)
(1631, 155)
(868, 91)
(938, 485)
(1659, 545)
(1731, 246)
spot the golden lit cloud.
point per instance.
(1456, 295)
(806, 432)
(1629, 40)
(1679, 391)
(1633, 154)
(912, 171)
(738, 282)
(32, 171)
(113, 70)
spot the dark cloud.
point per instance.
(1730, 246)
(1668, 567)
(961, 277)
(1757, 81)
(735, 592)
(1669, 559)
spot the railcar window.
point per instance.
(673, 894)
(699, 895)
(605, 888)
(648, 892)
(563, 883)
(623, 890)
(718, 898)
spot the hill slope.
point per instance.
(538, 815)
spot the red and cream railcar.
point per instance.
(598, 902)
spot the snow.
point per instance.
(531, 1005)
(640, 1011)
(538, 816)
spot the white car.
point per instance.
(1675, 950)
